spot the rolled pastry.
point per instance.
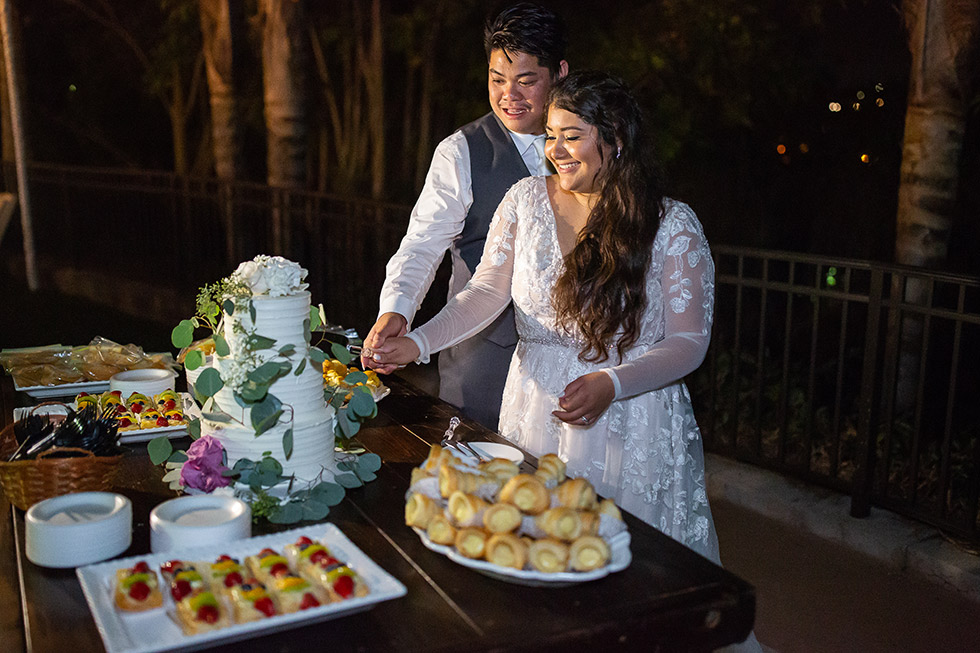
(577, 493)
(441, 530)
(437, 456)
(591, 521)
(527, 492)
(471, 542)
(560, 523)
(452, 479)
(506, 550)
(419, 474)
(419, 510)
(607, 507)
(502, 518)
(501, 468)
(588, 552)
(547, 555)
(466, 509)
(551, 470)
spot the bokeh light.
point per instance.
(781, 148)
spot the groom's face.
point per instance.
(519, 89)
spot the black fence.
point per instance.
(849, 374)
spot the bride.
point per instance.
(613, 287)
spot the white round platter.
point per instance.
(619, 546)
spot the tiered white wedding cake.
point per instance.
(280, 305)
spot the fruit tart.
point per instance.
(167, 400)
(201, 612)
(183, 579)
(84, 400)
(315, 563)
(293, 593)
(267, 565)
(224, 574)
(151, 419)
(250, 601)
(175, 417)
(126, 421)
(137, 588)
(137, 402)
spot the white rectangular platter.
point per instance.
(63, 390)
(188, 405)
(157, 629)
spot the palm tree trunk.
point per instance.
(284, 78)
(943, 40)
(221, 22)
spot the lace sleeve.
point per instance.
(485, 296)
(688, 283)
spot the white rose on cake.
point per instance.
(272, 275)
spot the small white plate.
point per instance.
(205, 519)
(78, 529)
(156, 630)
(490, 450)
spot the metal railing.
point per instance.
(850, 374)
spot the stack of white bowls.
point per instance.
(78, 529)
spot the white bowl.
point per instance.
(78, 529)
(198, 520)
(493, 450)
(150, 382)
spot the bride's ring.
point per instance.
(585, 420)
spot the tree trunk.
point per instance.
(221, 24)
(284, 79)
(943, 42)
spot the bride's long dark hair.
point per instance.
(603, 287)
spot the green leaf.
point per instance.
(251, 310)
(208, 383)
(183, 334)
(287, 350)
(348, 480)
(362, 405)
(194, 428)
(317, 355)
(255, 341)
(252, 392)
(289, 513)
(369, 462)
(337, 400)
(340, 353)
(159, 449)
(194, 359)
(287, 443)
(349, 426)
(223, 418)
(314, 510)
(314, 318)
(328, 493)
(300, 367)
(229, 307)
(355, 377)
(366, 476)
(263, 425)
(221, 345)
(265, 372)
(177, 457)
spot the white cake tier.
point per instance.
(313, 446)
(282, 319)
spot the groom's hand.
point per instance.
(389, 325)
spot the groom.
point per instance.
(469, 174)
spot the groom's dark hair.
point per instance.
(528, 28)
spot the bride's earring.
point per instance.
(619, 150)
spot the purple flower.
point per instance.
(204, 466)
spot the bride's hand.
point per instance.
(394, 351)
(585, 399)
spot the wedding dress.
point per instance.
(645, 450)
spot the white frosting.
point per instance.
(305, 410)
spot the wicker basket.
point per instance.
(26, 482)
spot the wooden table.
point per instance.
(669, 598)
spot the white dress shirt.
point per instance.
(437, 219)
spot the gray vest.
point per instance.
(495, 166)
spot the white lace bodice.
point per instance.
(522, 261)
